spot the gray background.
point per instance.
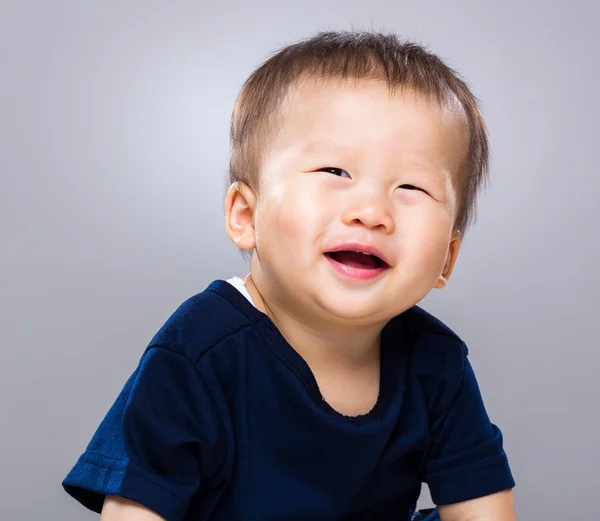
(113, 149)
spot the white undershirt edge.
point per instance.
(239, 284)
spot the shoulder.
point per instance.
(203, 321)
(437, 354)
(421, 322)
(429, 335)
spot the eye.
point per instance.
(411, 187)
(335, 171)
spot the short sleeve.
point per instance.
(466, 458)
(156, 443)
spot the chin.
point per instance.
(371, 307)
(360, 312)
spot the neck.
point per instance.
(319, 341)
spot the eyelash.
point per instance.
(411, 187)
(333, 170)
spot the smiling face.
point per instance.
(353, 219)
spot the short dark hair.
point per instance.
(355, 55)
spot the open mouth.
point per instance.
(357, 260)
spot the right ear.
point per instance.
(240, 205)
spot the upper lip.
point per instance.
(360, 248)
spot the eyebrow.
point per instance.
(323, 146)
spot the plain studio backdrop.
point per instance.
(113, 151)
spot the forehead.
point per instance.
(358, 116)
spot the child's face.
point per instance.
(339, 174)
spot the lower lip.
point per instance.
(356, 273)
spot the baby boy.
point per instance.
(315, 388)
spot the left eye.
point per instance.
(335, 171)
(411, 187)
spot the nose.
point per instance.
(371, 210)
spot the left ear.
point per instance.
(451, 256)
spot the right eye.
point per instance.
(335, 171)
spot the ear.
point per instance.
(240, 204)
(452, 255)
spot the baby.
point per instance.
(315, 388)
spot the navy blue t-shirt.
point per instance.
(223, 421)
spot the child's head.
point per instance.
(358, 142)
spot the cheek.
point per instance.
(289, 214)
(426, 231)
